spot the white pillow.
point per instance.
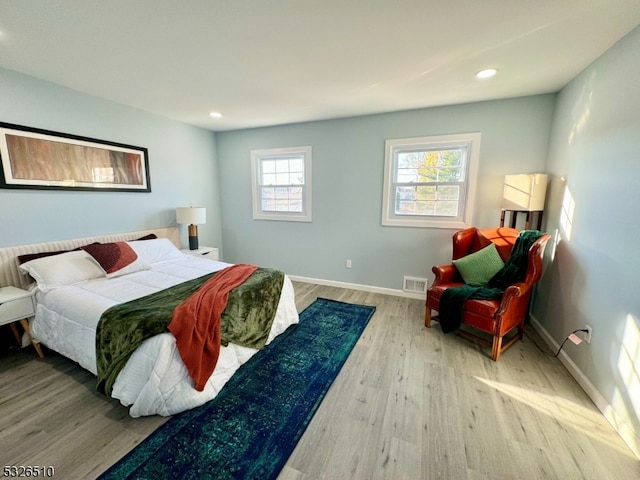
(64, 269)
(156, 250)
(136, 266)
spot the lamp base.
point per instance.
(193, 237)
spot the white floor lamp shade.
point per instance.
(524, 192)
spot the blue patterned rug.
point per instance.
(250, 429)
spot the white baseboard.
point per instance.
(619, 424)
(356, 286)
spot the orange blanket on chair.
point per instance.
(198, 342)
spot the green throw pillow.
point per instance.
(478, 268)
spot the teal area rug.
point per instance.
(250, 429)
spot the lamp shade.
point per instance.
(191, 215)
(524, 192)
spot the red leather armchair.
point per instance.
(494, 318)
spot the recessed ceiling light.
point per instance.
(487, 73)
(215, 115)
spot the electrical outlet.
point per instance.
(348, 265)
(587, 334)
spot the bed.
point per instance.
(72, 295)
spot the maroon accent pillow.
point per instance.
(151, 236)
(27, 257)
(34, 256)
(112, 257)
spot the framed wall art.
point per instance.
(42, 159)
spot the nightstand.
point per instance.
(210, 253)
(16, 305)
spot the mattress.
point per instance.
(154, 380)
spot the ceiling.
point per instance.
(268, 62)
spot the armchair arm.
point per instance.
(518, 289)
(513, 306)
(445, 274)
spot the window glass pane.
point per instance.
(450, 174)
(406, 175)
(428, 174)
(268, 193)
(404, 207)
(451, 157)
(447, 209)
(406, 193)
(269, 179)
(410, 159)
(268, 205)
(296, 178)
(425, 208)
(426, 193)
(296, 164)
(405, 200)
(282, 179)
(268, 166)
(448, 192)
(282, 165)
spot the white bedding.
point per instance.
(155, 380)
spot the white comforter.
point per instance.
(155, 380)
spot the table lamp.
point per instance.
(193, 216)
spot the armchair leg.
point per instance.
(496, 348)
(521, 331)
(427, 318)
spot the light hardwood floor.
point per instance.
(409, 403)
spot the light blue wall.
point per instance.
(182, 162)
(348, 161)
(593, 276)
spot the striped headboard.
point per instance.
(11, 275)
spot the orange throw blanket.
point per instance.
(196, 322)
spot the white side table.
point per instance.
(210, 253)
(16, 305)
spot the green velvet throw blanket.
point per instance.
(246, 320)
(515, 268)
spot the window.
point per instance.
(430, 181)
(282, 184)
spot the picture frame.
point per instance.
(35, 158)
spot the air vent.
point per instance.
(415, 285)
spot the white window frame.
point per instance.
(394, 146)
(257, 157)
